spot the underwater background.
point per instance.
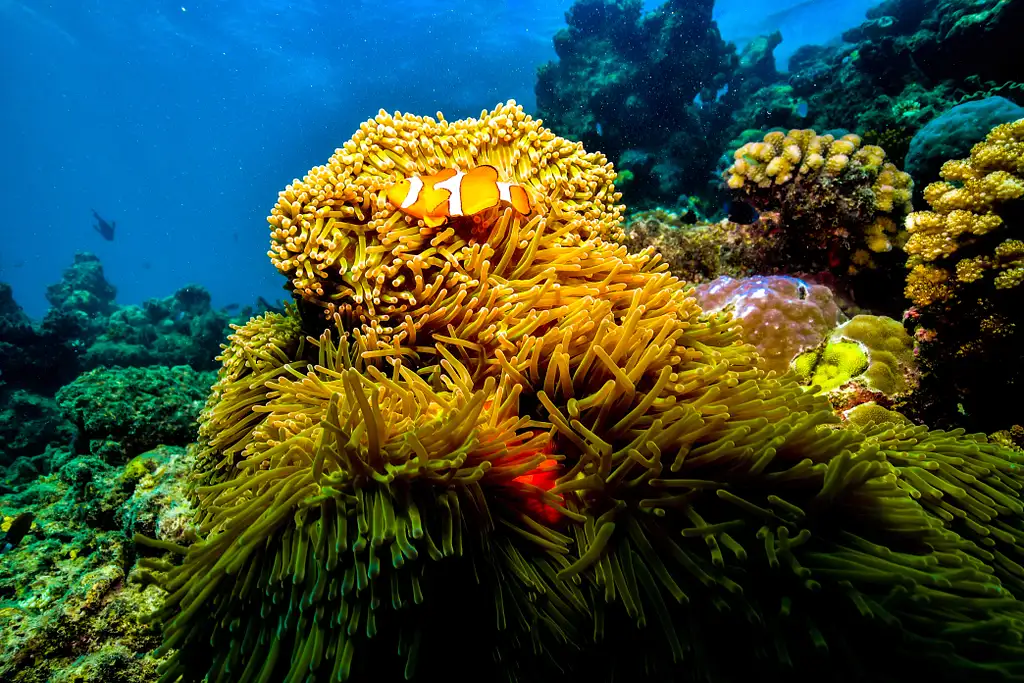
(669, 341)
(172, 115)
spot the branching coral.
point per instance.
(367, 492)
(840, 204)
(966, 261)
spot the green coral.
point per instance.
(869, 357)
(834, 365)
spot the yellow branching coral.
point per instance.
(564, 454)
(965, 206)
(840, 206)
(966, 262)
(781, 157)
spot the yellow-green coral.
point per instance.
(836, 205)
(874, 351)
(966, 262)
(834, 365)
(782, 156)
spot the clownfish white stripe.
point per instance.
(504, 193)
(415, 185)
(453, 185)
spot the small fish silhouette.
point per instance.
(105, 229)
(19, 528)
(740, 212)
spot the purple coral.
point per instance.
(782, 316)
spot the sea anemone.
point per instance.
(370, 490)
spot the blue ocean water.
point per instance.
(181, 122)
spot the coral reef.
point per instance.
(121, 412)
(908, 63)
(83, 289)
(85, 329)
(28, 422)
(966, 263)
(648, 89)
(41, 358)
(840, 207)
(368, 486)
(67, 610)
(869, 358)
(951, 136)
(781, 316)
(701, 252)
(182, 329)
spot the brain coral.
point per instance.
(966, 263)
(368, 505)
(840, 205)
(781, 316)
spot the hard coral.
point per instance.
(868, 358)
(366, 494)
(138, 408)
(781, 316)
(703, 251)
(840, 204)
(966, 263)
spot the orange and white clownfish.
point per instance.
(437, 197)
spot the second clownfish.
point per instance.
(437, 197)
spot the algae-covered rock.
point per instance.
(28, 424)
(68, 610)
(135, 408)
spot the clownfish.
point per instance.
(437, 197)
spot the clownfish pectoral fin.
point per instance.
(479, 190)
(519, 199)
(515, 196)
(435, 221)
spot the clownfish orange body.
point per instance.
(437, 197)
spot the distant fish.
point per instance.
(721, 92)
(264, 305)
(801, 109)
(450, 193)
(19, 528)
(741, 213)
(598, 129)
(105, 229)
(697, 100)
